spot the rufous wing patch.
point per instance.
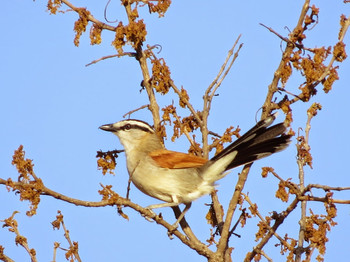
(174, 160)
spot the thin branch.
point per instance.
(209, 93)
(301, 164)
(135, 110)
(285, 39)
(266, 256)
(278, 221)
(285, 243)
(141, 57)
(342, 34)
(90, 17)
(189, 138)
(219, 214)
(55, 246)
(21, 240)
(272, 88)
(326, 188)
(188, 104)
(211, 90)
(214, 134)
(323, 199)
(72, 245)
(130, 54)
(185, 227)
(225, 234)
(3, 257)
(120, 201)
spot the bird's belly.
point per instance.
(169, 185)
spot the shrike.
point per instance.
(175, 177)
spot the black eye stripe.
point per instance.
(129, 126)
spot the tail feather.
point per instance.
(259, 142)
(258, 151)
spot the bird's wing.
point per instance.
(174, 160)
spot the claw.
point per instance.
(149, 218)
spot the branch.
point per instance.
(141, 57)
(304, 145)
(211, 90)
(3, 257)
(285, 243)
(322, 77)
(22, 240)
(130, 54)
(326, 188)
(189, 138)
(185, 227)
(279, 219)
(242, 178)
(135, 110)
(267, 106)
(188, 104)
(323, 199)
(119, 201)
(55, 246)
(89, 17)
(73, 246)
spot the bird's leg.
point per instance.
(181, 216)
(151, 207)
(172, 204)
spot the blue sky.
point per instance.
(53, 105)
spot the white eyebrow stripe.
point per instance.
(135, 124)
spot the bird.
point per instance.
(180, 178)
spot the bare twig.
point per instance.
(189, 138)
(267, 106)
(141, 57)
(188, 104)
(301, 163)
(128, 188)
(135, 110)
(326, 188)
(73, 246)
(266, 256)
(323, 199)
(90, 17)
(21, 240)
(219, 214)
(326, 71)
(3, 257)
(131, 54)
(285, 39)
(225, 234)
(285, 243)
(185, 227)
(211, 90)
(278, 221)
(55, 246)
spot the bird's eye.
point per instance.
(127, 127)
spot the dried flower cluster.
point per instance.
(29, 187)
(107, 161)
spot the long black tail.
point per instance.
(259, 142)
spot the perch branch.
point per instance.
(119, 201)
(90, 17)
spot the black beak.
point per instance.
(108, 127)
